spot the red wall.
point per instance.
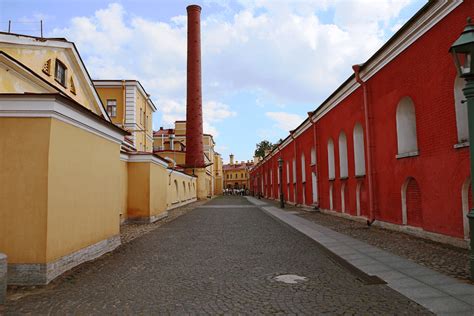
(424, 72)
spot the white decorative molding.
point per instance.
(408, 154)
(147, 158)
(124, 157)
(52, 107)
(15, 39)
(461, 145)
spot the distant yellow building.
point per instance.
(69, 174)
(236, 174)
(130, 107)
(171, 145)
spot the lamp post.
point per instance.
(462, 51)
(280, 172)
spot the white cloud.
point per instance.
(285, 121)
(279, 49)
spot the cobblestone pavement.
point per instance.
(216, 261)
(446, 259)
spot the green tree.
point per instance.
(261, 147)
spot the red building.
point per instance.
(391, 143)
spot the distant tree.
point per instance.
(277, 143)
(261, 147)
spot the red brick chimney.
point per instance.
(194, 146)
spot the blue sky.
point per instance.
(266, 63)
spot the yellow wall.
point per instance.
(138, 189)
(35, 57)
(158, 189)
(24, 146)
(123, 190)
(115, 93)
(12, 82)
(83, 189)
(182, 196)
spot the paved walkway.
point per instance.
(438, 293)
(220, 258)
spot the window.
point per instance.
(60, 73)
(112, 108)
(141, 116)
(294, 170)
(359, 156)
(406, 128)
(287, 172)
(343, 170)
(331, 168)
(303, 168)
(461, 110)
(313, 156)
(242, 175)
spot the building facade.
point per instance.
(72, 174)
(130, 107)
(236, 174)
(391, 143)
(170, 144)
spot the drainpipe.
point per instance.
(368, 131)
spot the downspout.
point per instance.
(368, 132)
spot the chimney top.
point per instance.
(193, 7)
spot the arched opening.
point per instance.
(331, 205)
(406, 127)
(184, 191)
(189, 189)
(176, 192)
(361, 199)
(466, 197)
(412, 213)
(343, 197)
(343, 169)
(303, 168)
(461, 110)
(314, 178)
(359, 154)
(331, 168)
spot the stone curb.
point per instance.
(3, 279)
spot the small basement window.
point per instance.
(60, 73)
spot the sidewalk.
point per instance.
(439, 293)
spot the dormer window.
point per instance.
(60, 73)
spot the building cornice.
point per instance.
(61, 108)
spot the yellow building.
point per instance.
(236, 175)
(171, 145)
(130, 107)
(67, 183)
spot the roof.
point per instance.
(118, 82)
(21, 39)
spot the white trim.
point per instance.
(124, 157)
(147, 158)
(181, 174)
(461, 145)
(21, 72)
(407, 154)
(16, 39)
(11, 106)
(129, 83)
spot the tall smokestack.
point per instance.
(194, 147)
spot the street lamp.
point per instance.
(280, 172)
(462, 51)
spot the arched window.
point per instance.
(406, 127)
(303, 168)
(331, 169)
(313, 156)
(287, 172)
(461, 110)
(294, 170)
(359, 155)
(343, 155)
(184, 190)
(271, 176)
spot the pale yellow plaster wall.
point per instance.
(24, 146)
(138, 189)
(35, 57)
(123, 190)
(83, 189)
(12, 82)
(182, 195)
(113, 93)
(158, 189)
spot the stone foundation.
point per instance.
(43, 273)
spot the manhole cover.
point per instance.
(290, 278)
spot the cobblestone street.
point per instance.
(220, 258)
